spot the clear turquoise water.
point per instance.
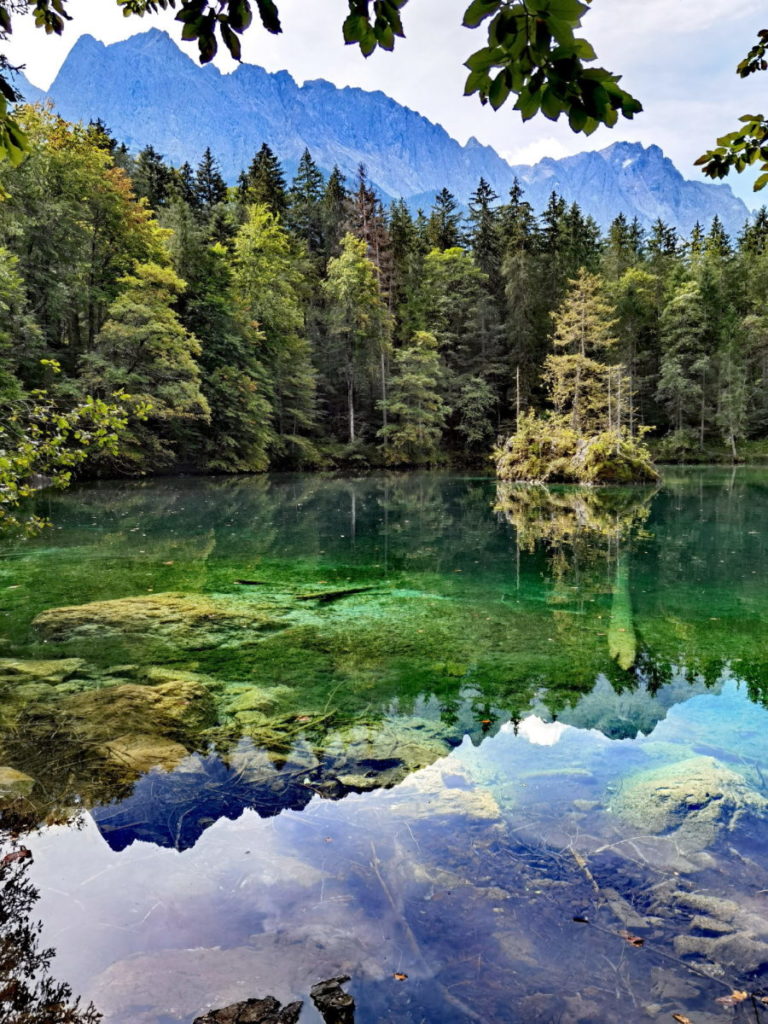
(498, 720)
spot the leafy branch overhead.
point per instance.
(534, 53)
(747, 145)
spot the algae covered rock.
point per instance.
(14, 784)
(253, 1011)
(142, 752)
(694, 798)
(183, 620)
(174, 707)
(369, 757)
(23, 671)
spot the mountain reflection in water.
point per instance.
(421, 739)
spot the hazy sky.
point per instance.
(677, 56)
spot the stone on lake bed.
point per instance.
(14, 783)
(695, 799)
(253, 1011)
(143, 752)
(183, 620)
(133, 708)
(29, 670)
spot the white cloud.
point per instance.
(537, 149)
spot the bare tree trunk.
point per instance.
(351, 407)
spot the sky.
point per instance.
(677, 56)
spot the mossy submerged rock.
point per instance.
(253, 1011)
(14, 784)
(694, 798)
(31, 670)
(369, 757)
(141, 752)
(169, 708)
(182, 619)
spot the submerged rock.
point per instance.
(169, 708)
(253, 1011)
(371, 757)
(14, 783)
(694, 798)
(184, 620)
(335, 1005)
(142, 752)
(31, 670)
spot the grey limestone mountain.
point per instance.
(148, 91)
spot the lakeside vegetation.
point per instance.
(301, 324)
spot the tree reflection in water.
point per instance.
(29, 994)
(587, 533)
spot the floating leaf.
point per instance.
(681, 1018)
(22, 854)
(736, 997)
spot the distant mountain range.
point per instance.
(148, 92)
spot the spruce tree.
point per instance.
(152, 177)
(210, 187)
(264, 182)
(305, 205)
(444, 228)
(417, 412)
(483, 233)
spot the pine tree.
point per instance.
(145, 350)
(685, 364)
(368, 222)
(268, 284)
(152, 177)
(484, 237)
(359, 326)
(240, 437)
(210, 187)
(335, 213)
(444, 228)
(416, 410)
(582, 388)
(183, 184)
(264, 182)
(305, 205)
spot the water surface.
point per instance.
(260, 732)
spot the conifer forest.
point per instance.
(298, 324)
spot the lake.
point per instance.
(495, 753)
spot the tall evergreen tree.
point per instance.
(144, 350)
(416, 411)
(210, 187)
(305, 205)
(444, 227)
(264, 182)
(359, 327)
(152, 177)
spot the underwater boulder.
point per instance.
(181, 620)
(695, 799)
(24, 671)
(14, 784)
(141, 752)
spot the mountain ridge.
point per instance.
(148, 91)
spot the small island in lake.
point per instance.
(590, 435)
